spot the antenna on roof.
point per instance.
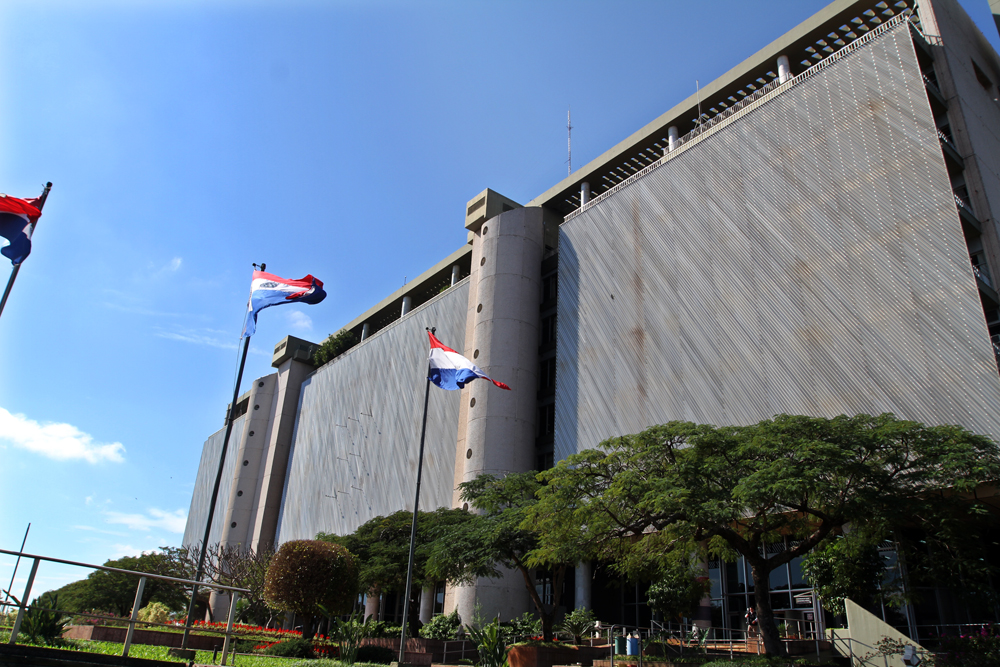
(569, 143)
(697, 89)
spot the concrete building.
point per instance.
(813, 235)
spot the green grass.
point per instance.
(202, 657)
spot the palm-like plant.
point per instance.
(490, 642)
(577, 623)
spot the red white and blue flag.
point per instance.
(17, 221)
(268, 290)
(450, 370)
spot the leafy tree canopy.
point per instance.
(312, 578)
(115, 592)
(334, 346)
(501, 536)
(735, 489)
(382, 546)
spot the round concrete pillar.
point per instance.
(584, 193)
(584, 581)
(364, 331)
(426, 604)
(671, 138)
(372, 600)
(784, 70)
(407, 302)
(455, 272)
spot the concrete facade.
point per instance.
(820, 243)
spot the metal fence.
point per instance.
(23, 607)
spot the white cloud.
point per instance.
(62, 442)
(210, 338)
(98, 530)
(299, 320)
(174, 264)
(122, 550)
(173, 522)
(198, 339)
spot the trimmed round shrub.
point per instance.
(291, 648)
(312, 578)
(381, 655)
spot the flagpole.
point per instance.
(17, 267)
(413, 525)
(215, 492)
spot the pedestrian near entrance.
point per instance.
(751, 617)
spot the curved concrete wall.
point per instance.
(497, 427)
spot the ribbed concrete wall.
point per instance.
(207, 469)
(354, 451)
(806, 259)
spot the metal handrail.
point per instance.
(749, 103)
(23, 606)
(148, 575)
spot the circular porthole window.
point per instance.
(472, 403)
(251, 434)
(246, 463)
(468, 454)
(232, 525)
(239, 493)
(260, 384)
(485, 229)
(482, 262)
(475, 355)
(479, 308)
(256, 407)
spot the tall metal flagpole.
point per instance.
(215, 491)
(17, 267)
(413, 526)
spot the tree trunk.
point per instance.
(308, 627)
(765, 616)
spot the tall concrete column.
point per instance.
(365, 328)
(584, 193)
(372, 601)
(426, 604)
(784, 70)
(455, 273)
(496, 430)
(584, 584)
(671, 138)
(407, 302)
(293, 368)
(250, 454)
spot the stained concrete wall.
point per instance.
(194, 531)
(496, 429)
(807, 258)
(355, 447)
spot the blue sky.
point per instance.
(186, 140)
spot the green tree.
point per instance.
(313, 579)
(500, 536)
(115, 591)
(381, 547)
(334, 346)
(738, 488)
(847, 566)
(678, 590)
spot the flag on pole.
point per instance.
(268, 290)
(17, 221)
(450, 370)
